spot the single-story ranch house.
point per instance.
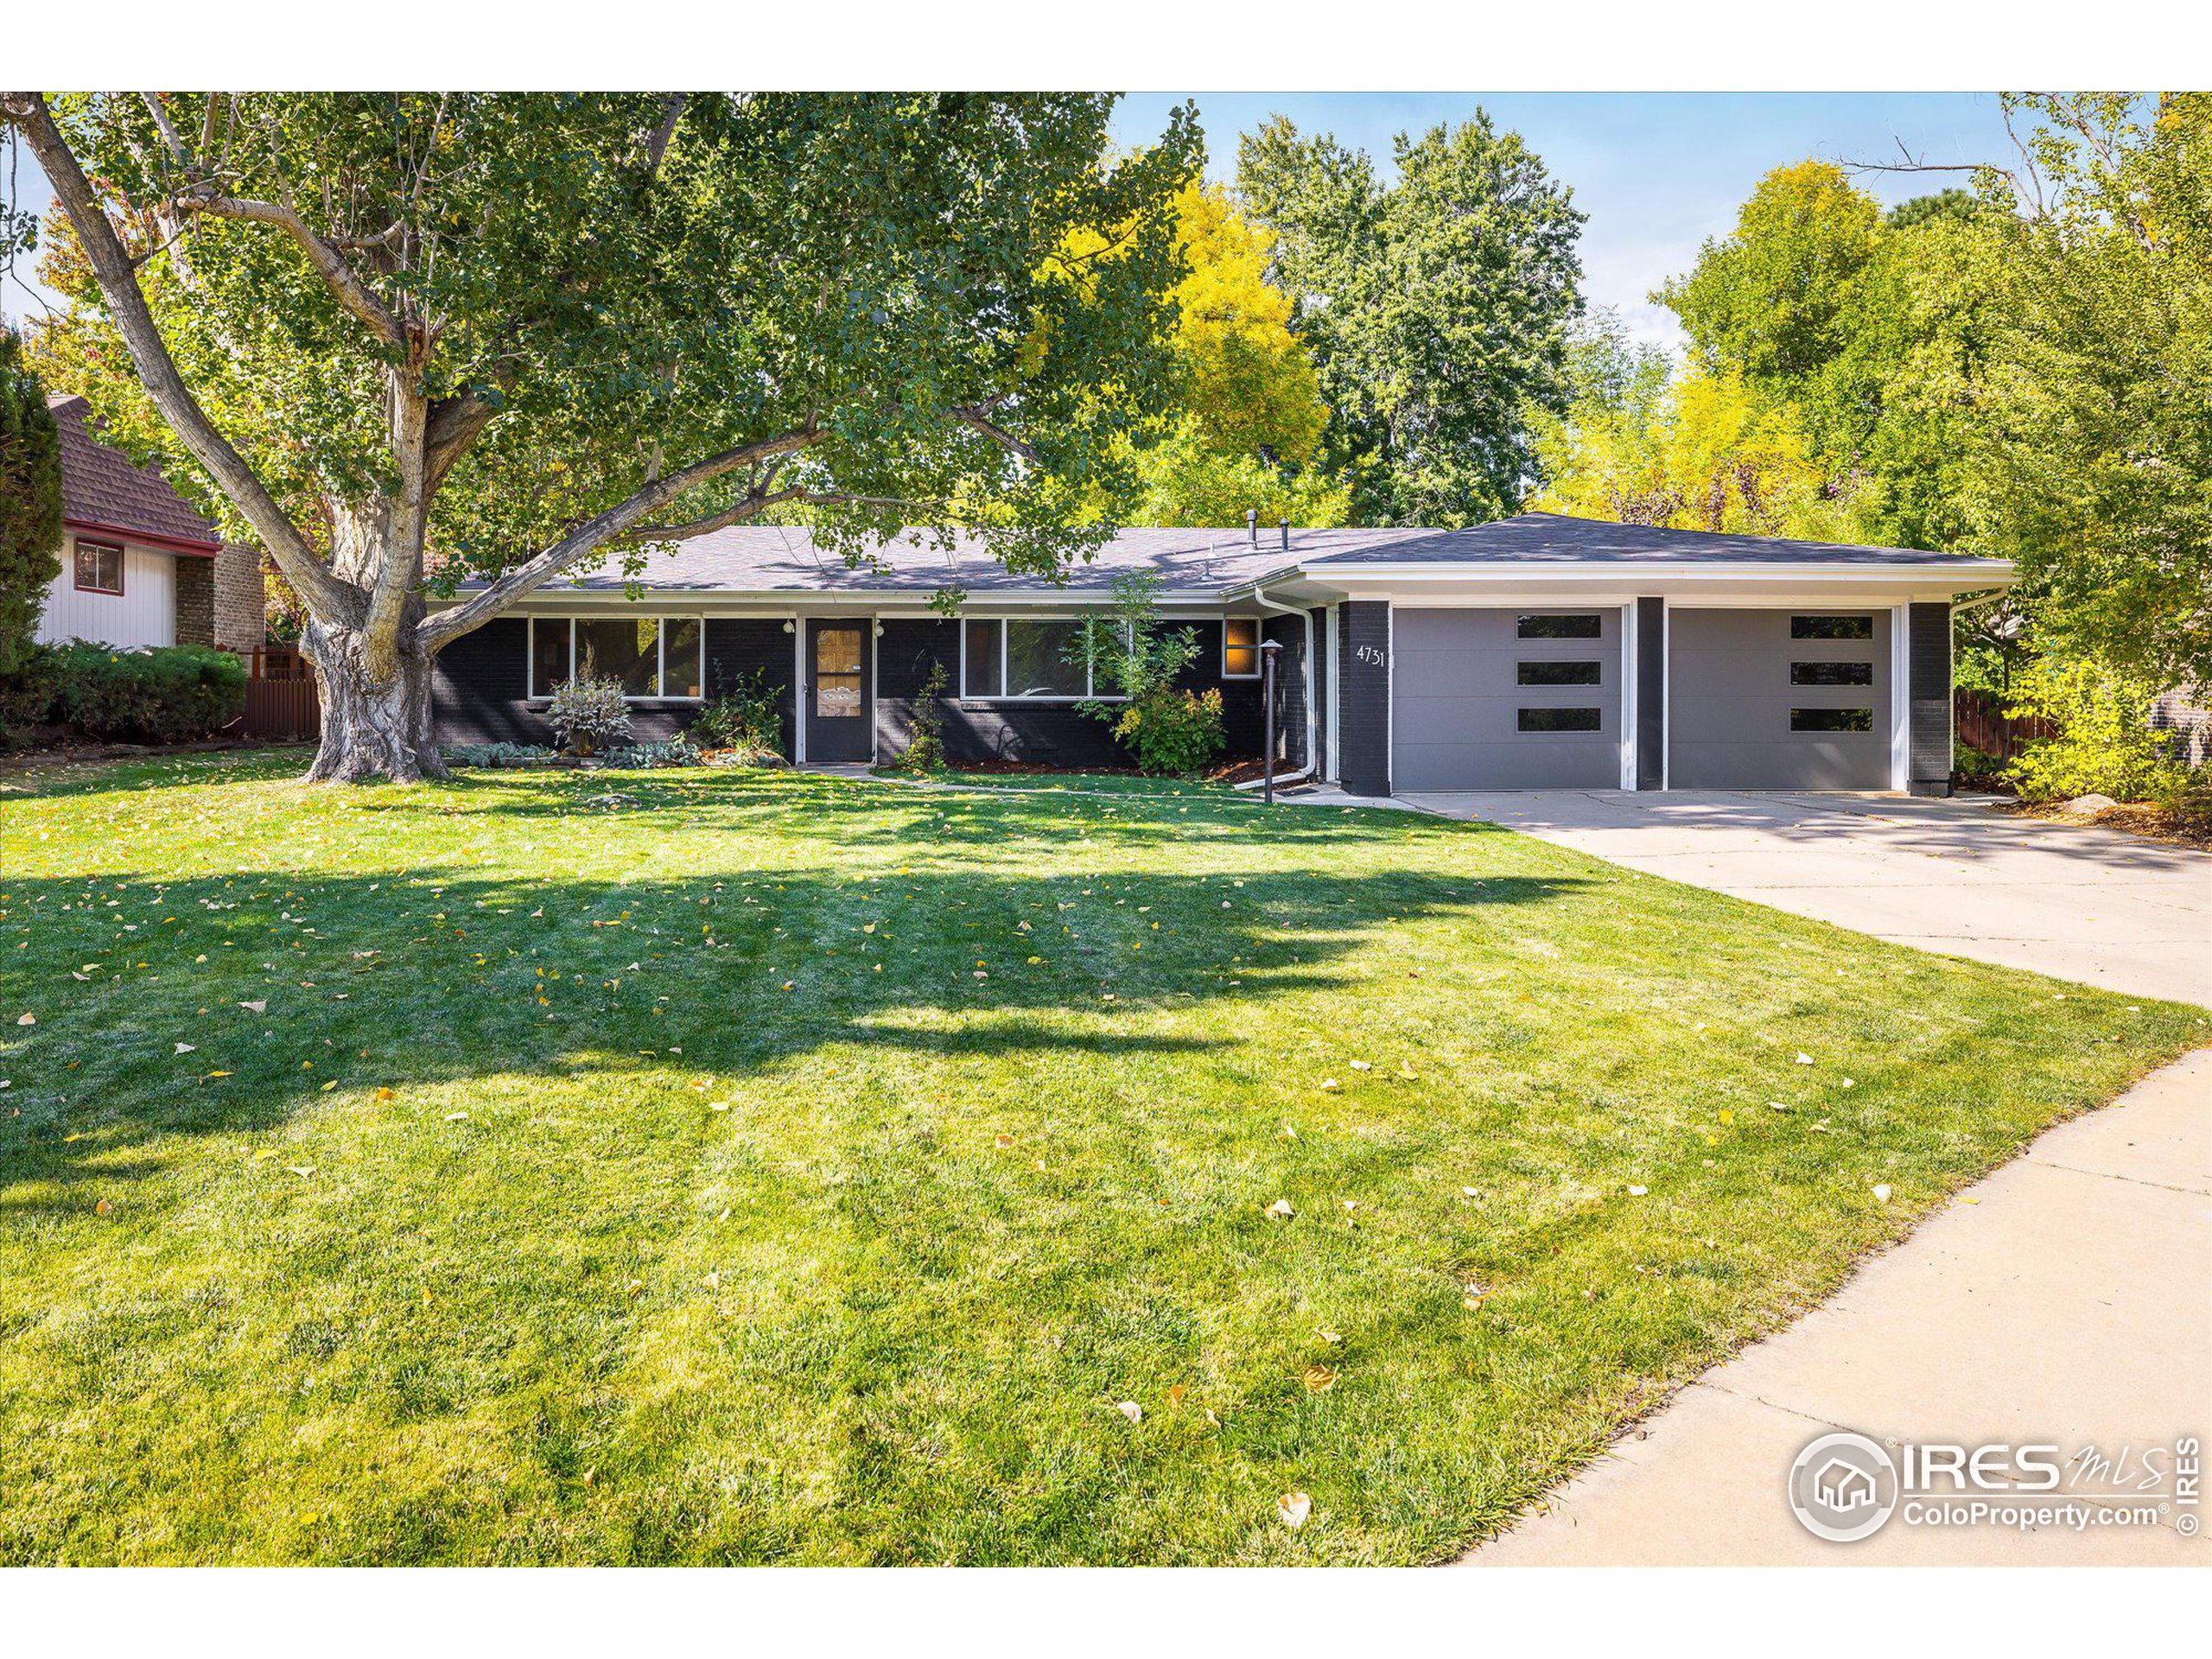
(1538, 651)
(139, 567)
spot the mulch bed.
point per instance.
(2189, 826)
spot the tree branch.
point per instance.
(310, 579)
(344, 285)
(434, 631)
(976, 420)
(455, 422)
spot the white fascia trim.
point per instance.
(1978, 573)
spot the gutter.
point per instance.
(159, 542)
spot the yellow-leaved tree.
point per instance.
(1641, 445)
(1241, 432)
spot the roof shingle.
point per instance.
(102, 485)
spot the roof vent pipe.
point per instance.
(1252, 524)
(1285, 535)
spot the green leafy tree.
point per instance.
(526, 333)
(1437, 307)
(2095, 468)
(30, 503)
(1873, 327)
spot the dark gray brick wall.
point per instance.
(1650, 693)
(477, 685)
(1364, 696)
(1289, 633)
(1928, 641)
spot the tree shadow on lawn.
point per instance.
(451, 990)
(870, 811)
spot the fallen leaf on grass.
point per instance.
(1881, 1193)
(1319, 1379)
(456, 1117)
(1279, 1210)
(1130, 1409)
(27, 1019)
(301, 1170)
(1176, 1393)
(186, 1048)
(1637, 1191)
(1293, 1508)
(255, 1007)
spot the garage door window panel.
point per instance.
(1831, 720)
(1562, 672)
(1550, 722)
(1831, 627)
(1831, 673)
(1576, 625)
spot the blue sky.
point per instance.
(1656, 172)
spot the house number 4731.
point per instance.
(1373, 656)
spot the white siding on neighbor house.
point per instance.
(143, 614)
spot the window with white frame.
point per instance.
(98, 568)
(649, 657)
(1240, 648)
(1033, 658)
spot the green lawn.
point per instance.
(672, 1166)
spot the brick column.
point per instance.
(1928, 639)
(1364, 697)
(196, 601)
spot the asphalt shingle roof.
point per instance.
(772, 560)
(102, 485)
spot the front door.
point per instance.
(838, 714)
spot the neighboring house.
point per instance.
(138, 566)
(1537, 652)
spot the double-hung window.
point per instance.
(649, 656)
(1027, 658)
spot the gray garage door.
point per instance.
(1500, 699)
(1777, 699)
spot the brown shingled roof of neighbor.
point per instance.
(102, 487)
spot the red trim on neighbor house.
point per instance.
(143, 537)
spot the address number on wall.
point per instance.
(1373, 656)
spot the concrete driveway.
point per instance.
(2098, 906)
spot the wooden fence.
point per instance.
(280, 696)
(1984, 725)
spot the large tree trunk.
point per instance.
(374, 725)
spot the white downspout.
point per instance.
(1305, 770)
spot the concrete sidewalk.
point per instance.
(2065, 1300)
(2098, 905)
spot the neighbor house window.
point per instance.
(1831, 627)
(1024, 657)
(1831, 720)
(1240, 648)
(648, 657)
(1562, 627)
(1831, 673)
(99, 567)
(1559, 674)
(1559, 719)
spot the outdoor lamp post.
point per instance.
(1269, 649)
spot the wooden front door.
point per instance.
(838, 717)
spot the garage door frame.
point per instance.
(1624, 610)
(1900, 674)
